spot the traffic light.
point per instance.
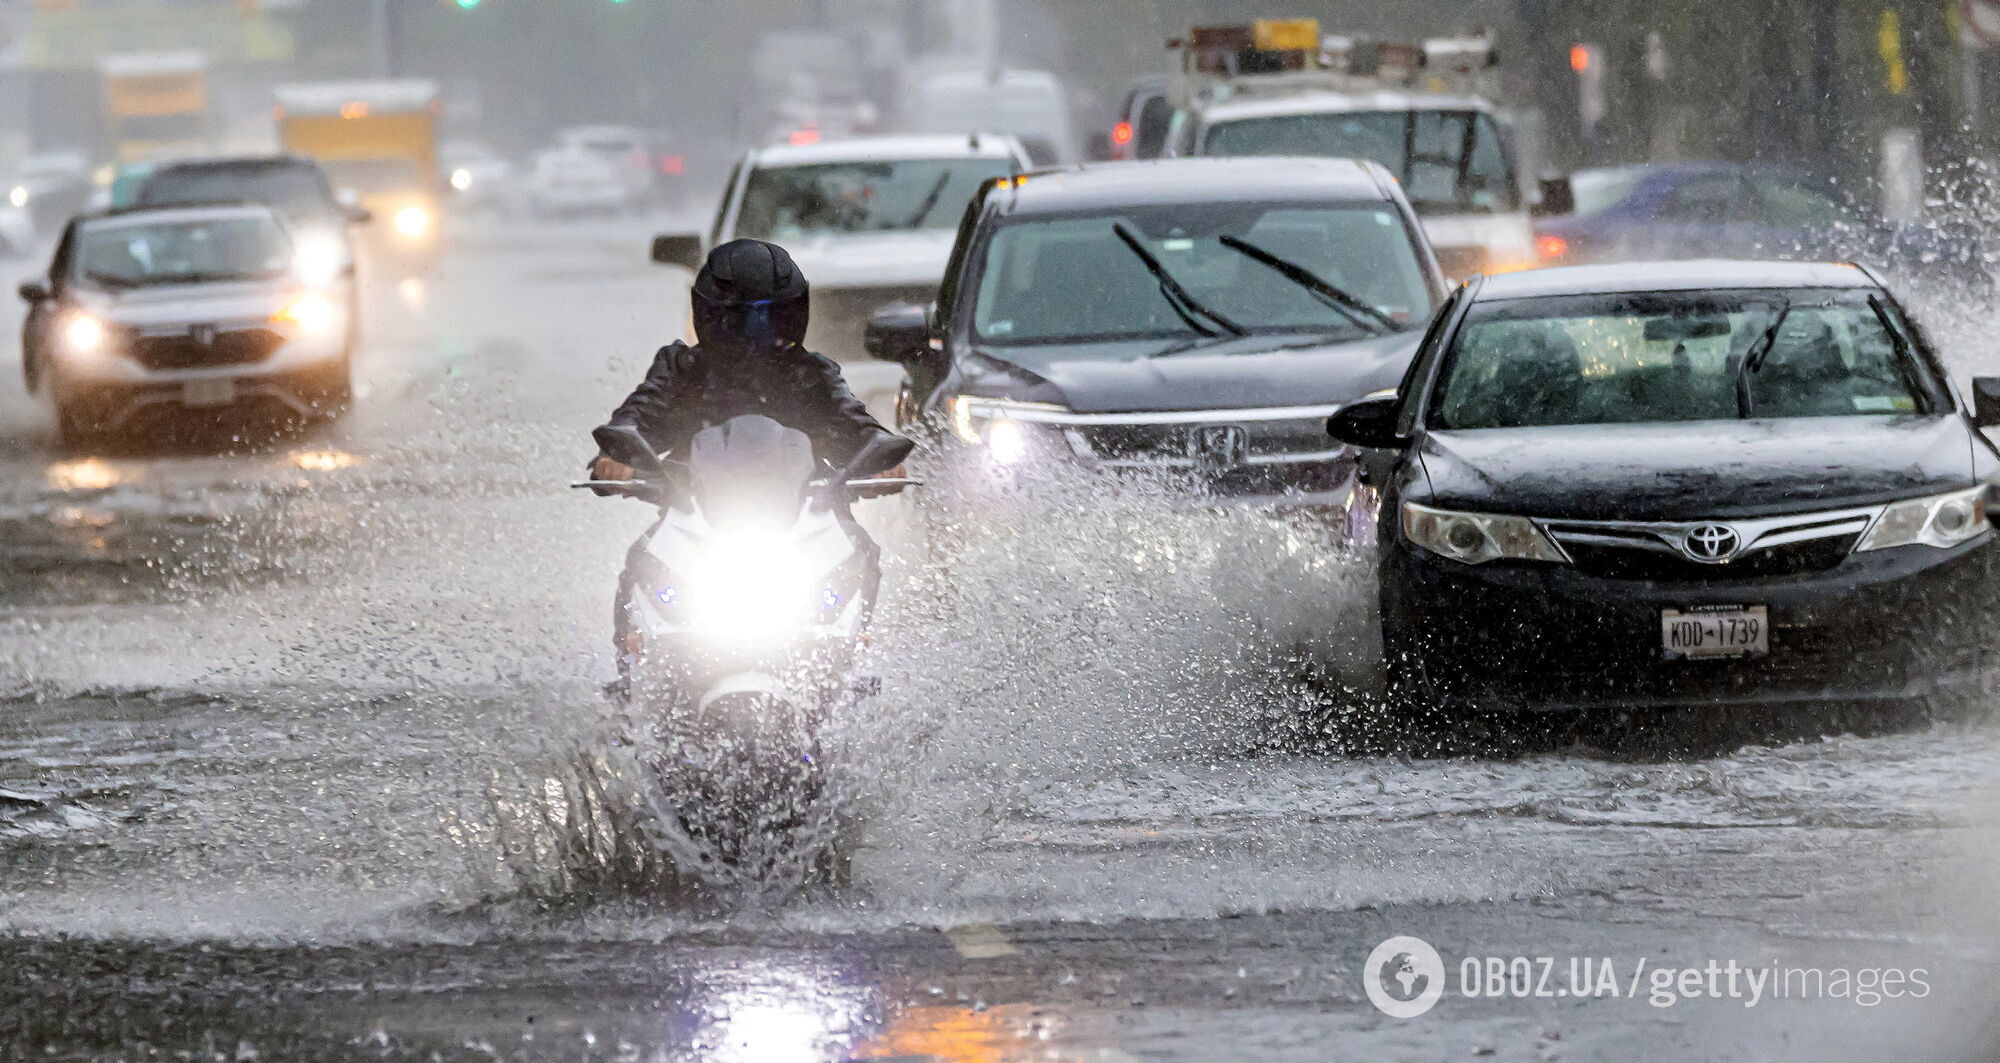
(468, 4)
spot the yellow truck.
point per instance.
(156, 105)
(378, 143)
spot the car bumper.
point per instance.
(971, 477)
(1894, 624)
(112, 391)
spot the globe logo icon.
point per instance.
(1403, 977)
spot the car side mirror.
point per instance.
(900, 333)
(1558, 197)
(678, 249)
(35, 291)
(1986, 401)
(1370, 424)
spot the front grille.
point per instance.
(1265, 440)
(186, 351)
(1762, 547)
(1792, 559)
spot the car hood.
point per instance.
(189, 304)
(1697, 470)
(870, 260)
(1253, 372)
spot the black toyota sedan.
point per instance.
(1680, 484)
(1194, 320)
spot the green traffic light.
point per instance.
(468, 4)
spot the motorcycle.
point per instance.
(740, 613)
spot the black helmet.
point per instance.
(750, 297)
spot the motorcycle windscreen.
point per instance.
(750, 472)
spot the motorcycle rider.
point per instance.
(751, 306)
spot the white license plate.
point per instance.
(1715, 631)
(208, 392)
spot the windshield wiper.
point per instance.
(1368, 317)
(930, 201)
(1177, 297)
(1753, 359)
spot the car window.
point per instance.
(1790, 205)
(1709, 201)
(789, 202)
(1073, 278)
(1674, 357)
(125, 254)
(1448, 161)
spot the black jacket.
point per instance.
(687, 390)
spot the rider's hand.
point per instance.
(606, 469)
(609, 469)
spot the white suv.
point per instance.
(870, 221)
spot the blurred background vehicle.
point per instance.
(190, 307)
(17, 230)
(478, 178)
(628, 157)
(1278, 87)
(157, 103)
(870, 221)
(1032, 106)
(51, 187)
(377, 142)
(293, 187)
(571, 180)
(1145, 118)
(1709, 209)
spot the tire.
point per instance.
(73, 426)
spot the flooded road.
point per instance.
(282, 721)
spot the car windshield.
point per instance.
(1075, 278)
(788, 202)
(292, 190)
(1611, 359)
(370, 176)
(128, 254)
(1450, 162)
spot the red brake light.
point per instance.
(1121, 134)
(1551, 247)
(674, 165)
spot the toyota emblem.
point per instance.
(1712, 543)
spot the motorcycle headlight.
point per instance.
(751, 584)
(1476, 538)
(999, 425)
(1939, 520)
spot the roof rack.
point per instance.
(1275, 57)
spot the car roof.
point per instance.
(1676, 276)
(241, 162)
(1323, 101)
(1200, 180)
(195, 212)
(915, 146)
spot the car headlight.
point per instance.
(997, 424)
(84, 335)
(1476, 538)
(18, 195)
(1939, 520)
(318, 260)
(461, 179)
(413, 222)
(751, 584)
(315, 315)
